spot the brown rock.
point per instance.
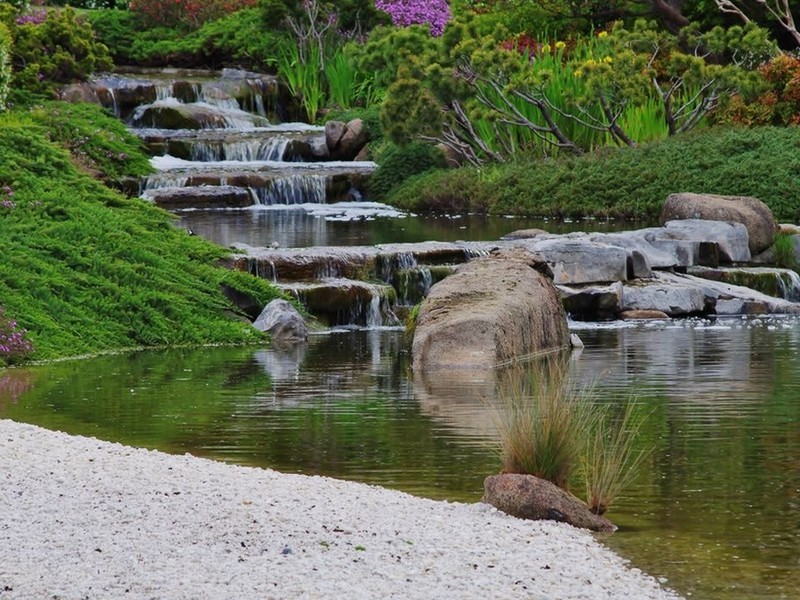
(528, 497)
(492, 310)
(750, 212)
(354, 138)
(79, 92)
(334, 130)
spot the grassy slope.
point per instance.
(625, 182)
(86, 269)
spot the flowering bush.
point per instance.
(6, 194)
(435, 13)
(13, 343)
(187, 13)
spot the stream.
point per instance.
(715, 510)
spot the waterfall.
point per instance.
(246, 150)
(789, 285)
(163, 91)
(114, 102)
(373, 315)
(295, 189)
(158, 181)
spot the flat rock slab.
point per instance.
(579, 260)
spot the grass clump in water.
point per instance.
(553, 429)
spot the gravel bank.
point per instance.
(81, 518)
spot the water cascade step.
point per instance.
(338, 284)
(772, 281)
(217, 140)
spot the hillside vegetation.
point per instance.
(85, 269)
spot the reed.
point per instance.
(303, 74)
(543, 422)
(551, 428)
(342, 80)
(611, 460)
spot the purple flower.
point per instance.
(435, 13)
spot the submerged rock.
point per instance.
(491, 311)
(282, 321)
(528, 497)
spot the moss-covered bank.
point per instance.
(85, 269)
(624, 182)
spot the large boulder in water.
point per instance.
(529, 497)
(750, 212)
(492, 310)
(283, 322)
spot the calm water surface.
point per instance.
(716, 511)
(354, 224)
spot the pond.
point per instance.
(365, 223)
(715, 511)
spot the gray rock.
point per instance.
(592, 302)
(354, 138)
(492, 310)
(282, 321)
(679, 295)
(579, 260)
(636, 243)
(730, 238)
(528, 497)
(756, 216)
(675, 298)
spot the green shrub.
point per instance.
(624, 182)
(100, 144)
(5, 64)
(117, 29)
(237, 39)
(400, 162)
(60, 49)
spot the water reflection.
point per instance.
(299, 228)
(716, 510)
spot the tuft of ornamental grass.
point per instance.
(783, 254)
(611, 460)
(551, 428)
(543, 422)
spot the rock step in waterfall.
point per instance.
(218, 141)
(688, 267)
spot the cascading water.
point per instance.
(294, 189)
(214, 148)
(246, 150)
(789, 285)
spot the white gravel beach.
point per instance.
(82, 518)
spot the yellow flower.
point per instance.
(602, 34)
(578, 73)
(607, 59)
(561, 45)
